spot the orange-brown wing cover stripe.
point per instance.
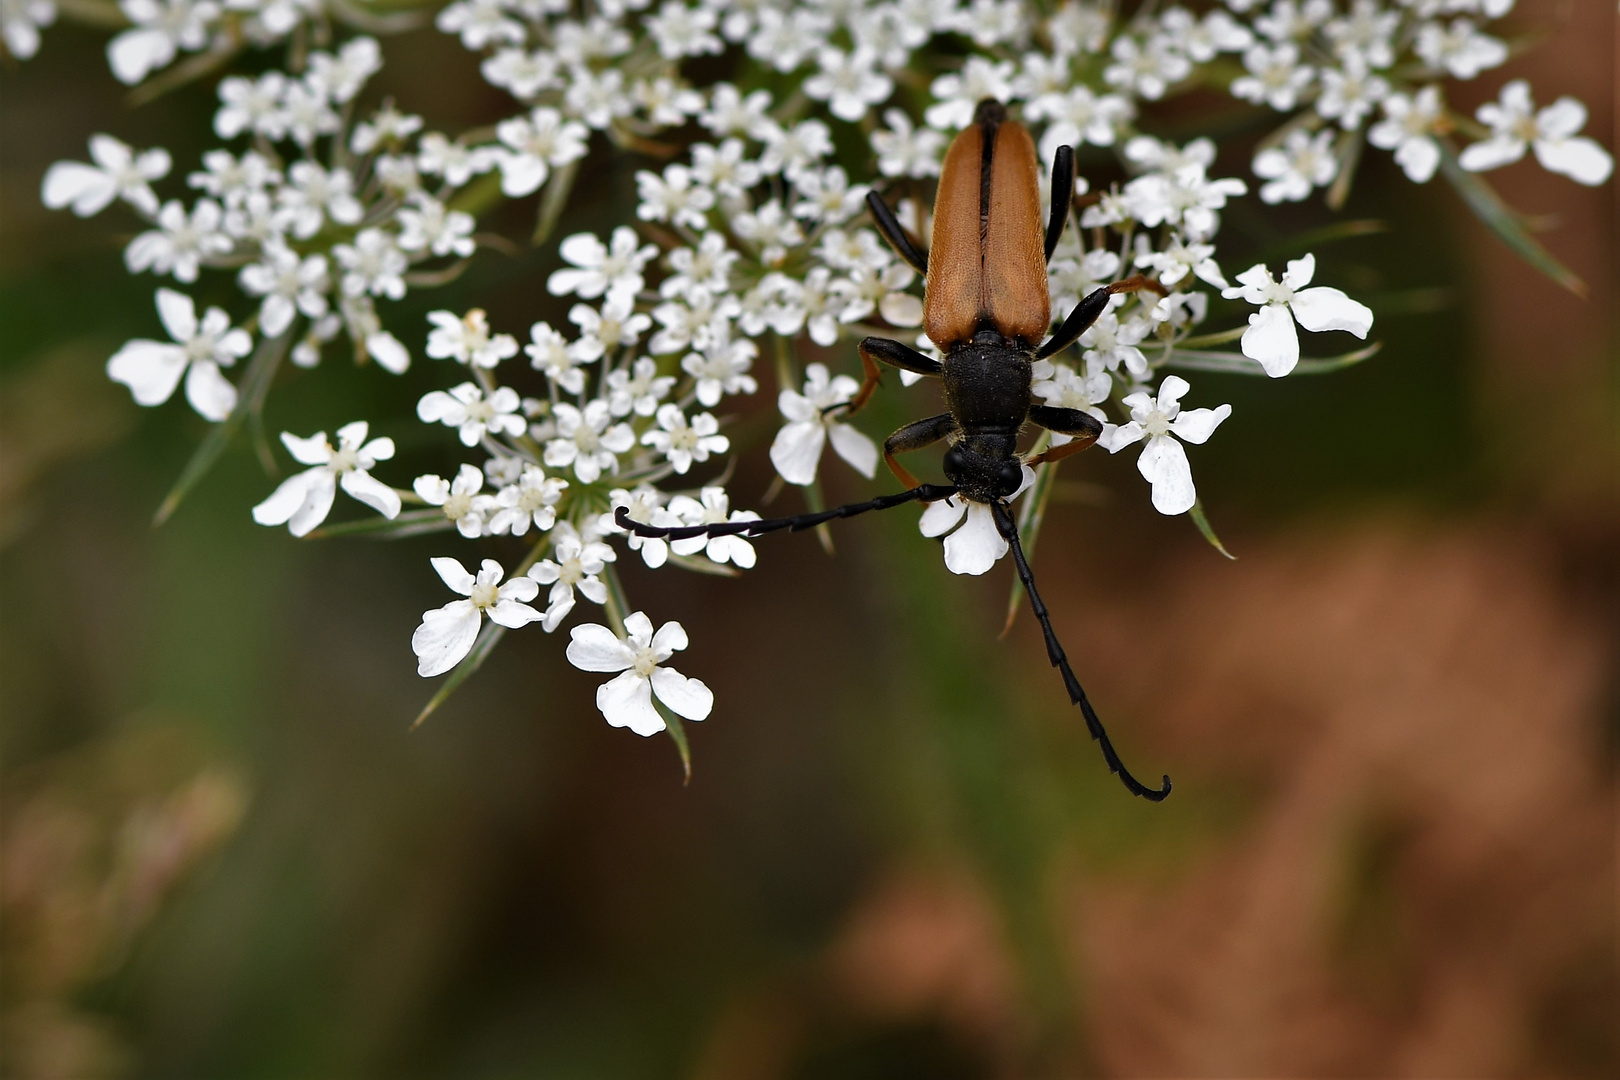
(1015, 298)
(956, 258)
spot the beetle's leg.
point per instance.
(1083, 426)
(1008, 529)
(914, 437)
(891, 352)
(1086, 311)
(1062, 195)
(895, 234)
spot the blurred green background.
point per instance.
(1391, 723)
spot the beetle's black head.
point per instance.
(985, 468)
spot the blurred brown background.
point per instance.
(1392, 723)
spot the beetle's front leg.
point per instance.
(891, 352)
(1082, 426)
(915, 436)
(895, 233)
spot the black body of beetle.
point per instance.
(986, 308)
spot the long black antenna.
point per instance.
(1008, 529)
(920, 493)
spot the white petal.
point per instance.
(975, 547)
(1164, 465)
(520, 588)
(627, 702)
(135, 52)
(436, 405)
(374, 493)
(671, 638)
(87, 189)
(685, 697)
(1582, 160)
(179, 314)
(1324, 308)
(512, 614)
(150, 369)
(596, 648)
(314, 450)
(1562, 119)
(444, 638)
(1419, 157)
(941, 517)
(317, 504)
(289, 495)
(901, 309)
(1272, 340)
(209, 392)
(1116, 438)
(386, 349)
(796, 451)
(1300, 271)
(855, 448)
(1197, 425)
(1492, 153)
(454, 575)
(640, 628)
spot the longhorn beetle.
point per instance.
(986, 308)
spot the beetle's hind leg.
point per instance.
(895, 233)
(891, 352)
(1083, 427)
(915, 436)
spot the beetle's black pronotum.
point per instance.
(987, 309)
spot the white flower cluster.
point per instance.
(749, 244)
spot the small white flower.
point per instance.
(849, 82)
(288, 284)
(627, 701)
(465, 407)
(118, 173)
(233, 181)
(467, 339)
(373, 264)
(683, 31)
(1552, 132)
(302, 502)
(549, 352)
(906, 150)
(726, 168)
(388, 127)
(1079, 115)
(714, 507)
(1458, 48)
(673, 197)
(1271, 339)
(1111, 343)
(1179, 258)
(1161, 422)
(796, 450)
(957, 95)
(531, 500)
(152, 369)
(1348, 95)
(252, 105)
(534, 145)
(787, 150)
(455, 161)
(977, 545)
(427, 225)
(769, 230)
(664, 101)
(1301, 163)
(1408, 129)
(730, 113)
(309, 113)
(447, 634)
(578, 561)
(599, 268)
(646, 505)
(20, 24)
(1146, 68)
(638, 389)
(1368, 31)
(684, 442)
(340, 77)
(460, 499)
(523, 74)
(181, 242)
(1060, 386)
(706, 266)
(159, 29)
(603, 330)
(480, 23)
(588, 440)
(597, 97)
(313, 194)
(1276, 77)
(721, 367)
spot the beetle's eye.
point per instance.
(1008, 479)
(953, 463)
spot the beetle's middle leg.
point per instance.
(915, 436)
(891, 352)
